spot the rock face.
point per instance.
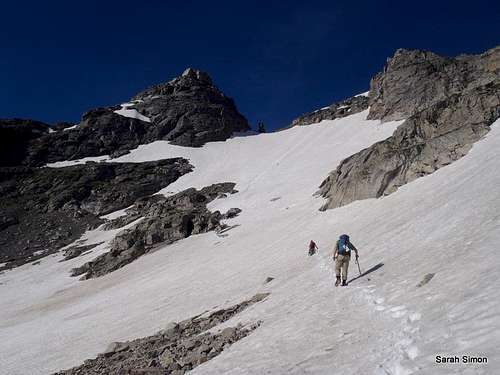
(449, 105)
(100, 132)
(341, 109)
(175, 350)
(415, 80)
(188, 111)
(165, 220)
(42, 209)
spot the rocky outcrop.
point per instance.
(450, 104)
(179, 348)
(414, 80)
(164, 221)
(101, 132)
(188, 111)
(43, 209)
(340, 109)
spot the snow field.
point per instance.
(446, 223)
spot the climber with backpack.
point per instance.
(312, 247)
(341, 257)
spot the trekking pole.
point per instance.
(359, 268)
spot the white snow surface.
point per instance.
(366, 93)
(132, 113)
(71, 127)
(68, 163)
(445, 223)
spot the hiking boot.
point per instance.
(337, 283)
(344, 283)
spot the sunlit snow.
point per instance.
(131, 112)
(446, 223)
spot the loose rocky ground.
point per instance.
(177, 349)
(165, 220)
(43, 209)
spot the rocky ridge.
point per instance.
(340, 109)
(187, 111)
(449, 104)
(43, 209)
(164, 221)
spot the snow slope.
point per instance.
(446, 223)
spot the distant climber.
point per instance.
(312, 248)
(342, 256)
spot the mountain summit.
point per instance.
(187, 111)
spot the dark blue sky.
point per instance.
(277, 59)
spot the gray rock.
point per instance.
(425, 280)
(415, 80)
(171, 329)
(442, 131)
(115, 347)
(228, 334)
(232, 212)
(164, 354)
(166, 220)
(336, 110)
(167, 358)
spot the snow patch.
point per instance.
(71, 127)
(125, 111)
(367, 93)
(69, 163)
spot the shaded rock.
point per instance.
(425, 280)
(188, 111)
(232, 212)
(76, 251)
(6, 220)
(54, 206)
(268, 280)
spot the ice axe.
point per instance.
(359, 268)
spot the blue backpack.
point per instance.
(344, 244)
